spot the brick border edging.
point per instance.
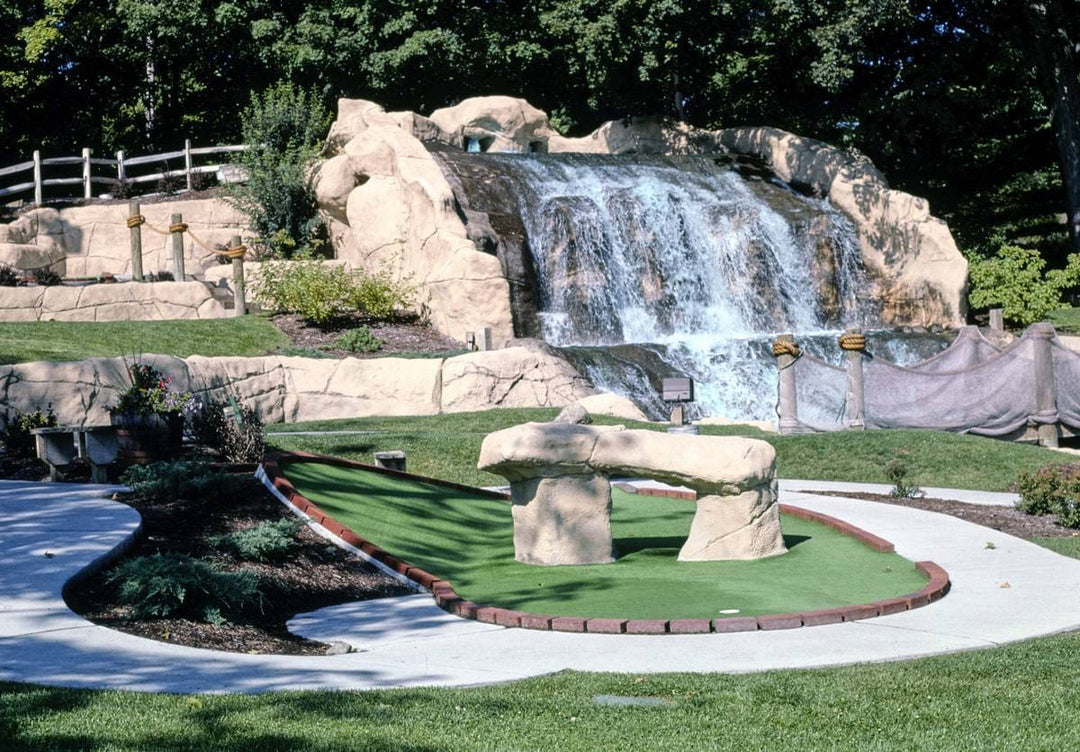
(448, 599)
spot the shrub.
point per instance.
(1014, 280)
(232, 429)
(203, 181)
(123, 189)
(1054, 489)
(168, 585)
(162, 276)
(18, 441)
(183, 479)
(46, 277)
(320, 291)
(284, 127)
(267, 541)
(9, 277)
(358, 340)
(896, 472)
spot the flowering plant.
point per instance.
(151, 392)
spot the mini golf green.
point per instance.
(468, 540)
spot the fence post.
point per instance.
(177, 229)
(997, 319)
(136, 239)
(86, 173)
(853, 344)
(236, 253)
(121, 170)
(1045, 389)
(785, 350)
(38, 192)
(187, 161)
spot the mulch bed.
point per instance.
(1004, 519)
(315, 575)
(404, 334)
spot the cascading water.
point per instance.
(677, 264)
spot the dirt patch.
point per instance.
(1004, 519)
(406, 334)
(314, 575)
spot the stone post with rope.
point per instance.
(135, 221)
(853, 343)
(236, 255)
(1045, 387)
(786, 351)
(177, 228)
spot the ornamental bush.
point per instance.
(1054, 489)
(267, 541)
(1014, 280)
(320, 291)
(184, 479)
(168, 585)
(232, 429)
(18, 441)
(358, 340)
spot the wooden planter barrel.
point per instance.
(142, 438)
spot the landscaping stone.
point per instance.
(122, 301)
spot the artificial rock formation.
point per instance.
(291, 389)
(87, 241)
(123, 301)
(559, 472)
(391, 206)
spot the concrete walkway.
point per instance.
(1011, 591)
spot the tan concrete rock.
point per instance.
(334, 181)
(564, 520)
(503, 124)
(514, 377)
(606, 403)
(535, 449)
(728, 528)
(130, 301)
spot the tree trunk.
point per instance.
(1055, 56)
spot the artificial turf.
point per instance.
(468, 540)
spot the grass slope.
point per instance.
(447, 446)
(1017, 697)
(75, 340)
(469, 540)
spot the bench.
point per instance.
(60, 446)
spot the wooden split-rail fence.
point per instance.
(119, 170)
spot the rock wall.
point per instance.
(390, 204)
(294, 389)
(87, 241)
(122, 301)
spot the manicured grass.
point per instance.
(1065, 546)
(1018, 697)
(1066, 320)
(447, 447)
(75, 340)
(468, 540)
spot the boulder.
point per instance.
(606, 403)
(122, 301)
(512, 377)
(562, 520)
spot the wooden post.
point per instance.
(121, 169)
(236, 253)
(177, 228)
(787, 407)
(1045, 388)
(38, 183)
(86, 173)
(853, 344)
(997, 319)
(187, 161)
(136, 242)
(484, 340)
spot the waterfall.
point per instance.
(686, 264)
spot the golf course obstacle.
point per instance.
(559, 482)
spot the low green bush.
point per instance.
(267, 541)
(184, 479)
(1054, 489)
(9, 277)
(896, 471)
(358, 340)
(320, 291)
(18, 441)
(168, 585)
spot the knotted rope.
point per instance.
(236, 252)
(136, 220)
(852, 341)
(785, 347)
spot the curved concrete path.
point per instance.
(1013, 590)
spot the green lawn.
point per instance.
(468, 539)
(447, 447)
(1066, 320)
(1018, 697)
(75, 340)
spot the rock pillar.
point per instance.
(563, 520)
(854, 344)
(786, 351)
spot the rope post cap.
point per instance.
(786, 347)
(852, 341)
(136, 220)
(236, 252)
(178, 227)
